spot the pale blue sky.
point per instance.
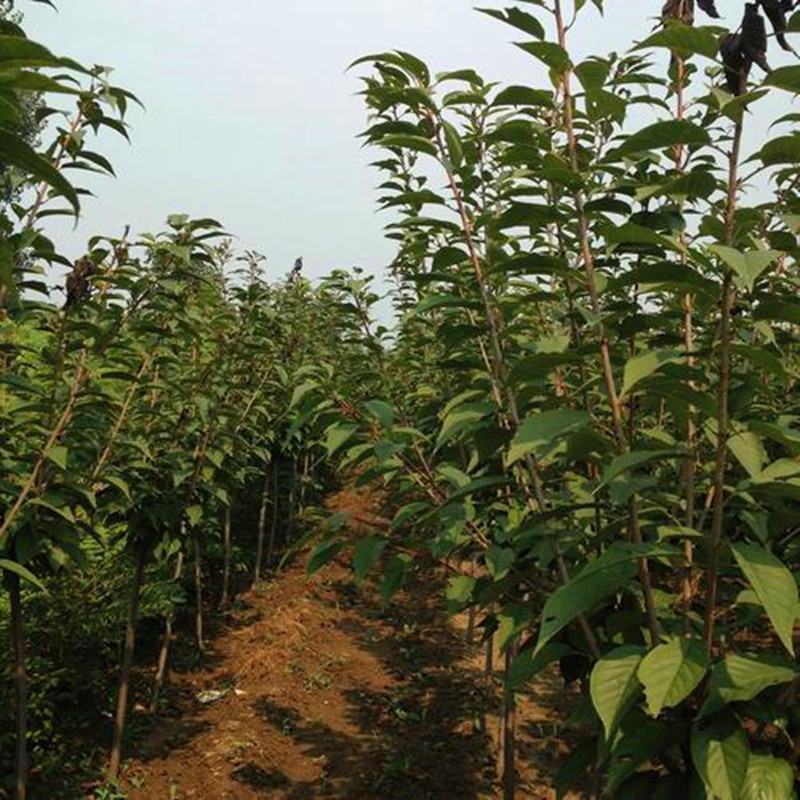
(252, 119)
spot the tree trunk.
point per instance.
(127, 663)
(262, 525)
(304, 478)
(471, 614)
(292, 501)
(509, 730)
(198, 595)
(275, 506)
(163, 653)
(20, 687)
(224, 601)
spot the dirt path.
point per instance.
(326, 694)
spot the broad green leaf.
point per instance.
(738, 678)
(323, 554)
(418, 144)
(785, 78)
(663, 134)
(549, 53)
(18, 153)
(512, 620)
(517, 19)
(25, 574)
(773, 584)
(768, 778)
(642, 366)
(366, 555)
(781, 150)
(194, 515)
(499, 561)
(671, 672)
(685, 40)
(721, 753)
(337, 437)
(382, 411)
(58, 455)
(540, 431)
(463, 418)
(614, 686)
(598, 580)
(459, 592)
(747, 267)
(748, 449)
(638, 458)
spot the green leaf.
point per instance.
(671, 672)
(782, 150)
(459, 592)
(633, 460)
(382, 411)
(785, 78)
(768, 778)
(366, 555)
(748, 449)
(685, 40)
(18, 153)
(747, 267)
(194, 515)
(773, 584)
(549, 53)
(720, 752)
(739, 678)
(642, 366)
(538, 432)
(499, 561)
(661, 135)
(599, 579)
(337, 437)
(614, 686)
(58, 455)
(18, 569)
(323, 554)
(517, 19)
(417, 144)
(462, 418)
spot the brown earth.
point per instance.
(327, 694)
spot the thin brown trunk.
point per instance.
(262, 525)
(723, 395)
(471, 614)
(163, 653)
(509, 730)
(198, 595)
(609, 380)
(127, 663)
(224, 601)
(273, 530)
(292, 511)
(20, 687)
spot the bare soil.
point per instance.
(327, 694)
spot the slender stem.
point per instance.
(20, 687)
(127, 663)
(163, 653)
(605, 350)
(198, 593)
(262, 524)
(723, 395)
(226, 563)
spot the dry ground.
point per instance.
(329, 695)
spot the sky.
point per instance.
(252, 118)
